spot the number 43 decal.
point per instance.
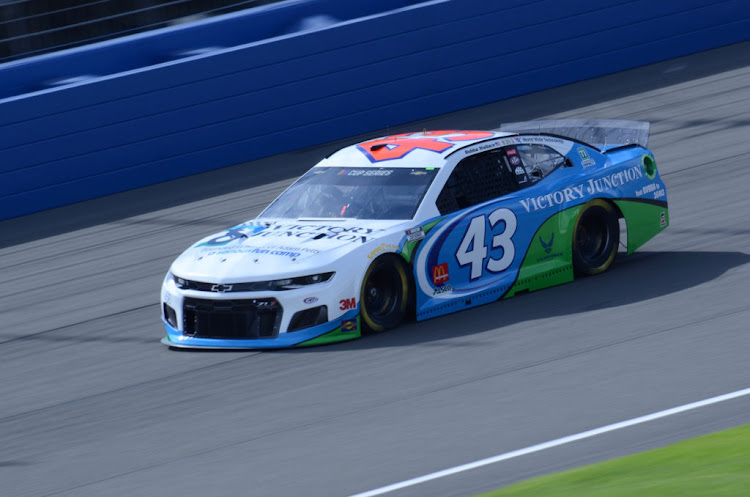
(473, 251)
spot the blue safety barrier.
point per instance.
(130, 112)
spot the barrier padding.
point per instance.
(144, 109)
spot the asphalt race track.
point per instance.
(93, 405)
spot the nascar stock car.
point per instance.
(420, 224)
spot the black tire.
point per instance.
(384, 299)
(595, 238)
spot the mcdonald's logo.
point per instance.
(440, 274)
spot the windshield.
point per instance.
(355, 193)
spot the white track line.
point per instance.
(553, 443)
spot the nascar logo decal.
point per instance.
(398, 146)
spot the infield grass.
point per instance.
(715, 465)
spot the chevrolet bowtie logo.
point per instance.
(221, 288)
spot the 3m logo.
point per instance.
(440, 274)
(397, 146)
(346, 304)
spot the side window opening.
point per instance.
(538, 161)
(477, 179)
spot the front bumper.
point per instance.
(345, 327)
(258, 320)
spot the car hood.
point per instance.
(271, 249)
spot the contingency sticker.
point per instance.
(414, 234)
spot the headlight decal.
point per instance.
(257, 286)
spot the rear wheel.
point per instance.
(385, 294)
(596, 237)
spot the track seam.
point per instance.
(87, 321)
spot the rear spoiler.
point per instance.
(604, 134)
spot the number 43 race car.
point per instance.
(420, 224)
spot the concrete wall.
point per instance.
(144, 109)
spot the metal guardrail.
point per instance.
(34, 27)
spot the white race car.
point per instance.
(424, 224)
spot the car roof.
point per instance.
(420, 149)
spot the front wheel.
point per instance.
(595, 238)
(385, 294)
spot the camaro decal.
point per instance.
(398, 146)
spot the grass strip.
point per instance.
(715, 465)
